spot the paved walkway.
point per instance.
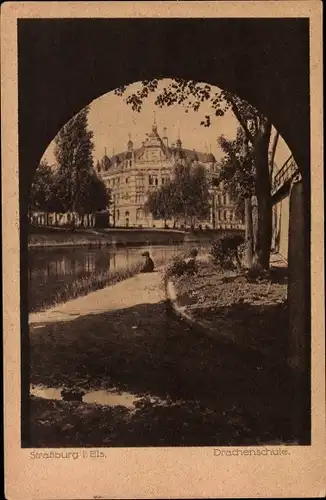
(140, 289)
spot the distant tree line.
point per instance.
(71, 185)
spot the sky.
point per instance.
(111, 120)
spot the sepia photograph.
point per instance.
(158, 241)
(160, 220)
(164, 226)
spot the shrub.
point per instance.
(227, 249)
(178, 267)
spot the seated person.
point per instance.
(148, 266)
(192, 256)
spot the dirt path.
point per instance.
(142, 288)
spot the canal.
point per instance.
(50, 270)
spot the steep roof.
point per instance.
(170, 152)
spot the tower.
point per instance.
(130, 144)
(165, 137)
(154, 126)
(178, 142)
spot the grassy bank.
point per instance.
(40, 237)
(250, 313)
(44, 297)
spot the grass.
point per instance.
(45, 297)
(250, 313)
(48, 236)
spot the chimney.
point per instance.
(165, 138)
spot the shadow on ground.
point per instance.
(206, 393)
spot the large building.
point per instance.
(134, 173)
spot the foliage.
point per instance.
(179, 267)
(237, 170)
(78, 186)
(185, 197)
(159, 203)
(225, 250)
(256, 129)
(41, 193)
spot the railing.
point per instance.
(287, 172)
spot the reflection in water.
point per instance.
(52, 269)
(110, 398)
(99, 397)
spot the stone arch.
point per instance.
(280, 76)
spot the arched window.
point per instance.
(156, 181)
(150, 180)
(139, 214)
(118, 214)
(127, 214)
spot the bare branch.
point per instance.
(240, 119)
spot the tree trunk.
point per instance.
(254, 211)
(248, 233)
(263, 193)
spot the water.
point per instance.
(100, 397)
(52, 269)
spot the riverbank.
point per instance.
(228, 306)
(190, 389)
(59, 274)
(50, 236)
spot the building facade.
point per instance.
(134, 173)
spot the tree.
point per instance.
(73, 153)
(256, 128)
(41, 193)
(159, 203)
(237, 175)
(184, 197)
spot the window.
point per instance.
(225, 214)
(150, 180)
(127, 214)
(127, 180)
(224, 199)
(113, 182)
(156, 181)
(117, 214)
(139, 214)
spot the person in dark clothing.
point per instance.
(148, 266)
